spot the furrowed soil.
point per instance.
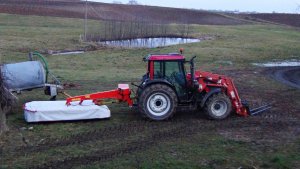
(104, 11)
(286, 19)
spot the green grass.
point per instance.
(105, 68)
(204, 150)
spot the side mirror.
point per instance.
(192, 60)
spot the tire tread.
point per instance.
(211, 100)
(142, 103)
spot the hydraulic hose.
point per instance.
(43, 59)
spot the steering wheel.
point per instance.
(172, 77)
(178, 78)
(158, 74)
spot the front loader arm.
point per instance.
(235, 98)
(122, 94)
(227, 85)
(241, 107)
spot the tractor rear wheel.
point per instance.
(218, 107)
(157, 102)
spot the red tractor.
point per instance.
(168, 87)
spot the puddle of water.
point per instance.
(69, 53)
(149, 42)
(224, 62)
(279, 64)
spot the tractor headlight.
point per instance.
(232, 94)
(200, 87)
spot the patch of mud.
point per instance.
(225, 62)
(283, 131)
(71, 85)
(69, 53)
(279, 64)
(64, 52)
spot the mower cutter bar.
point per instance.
(260, 109)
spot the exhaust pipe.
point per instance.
(193, 81)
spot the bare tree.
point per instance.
(117, 2)
(132, 2)
(298, 8)
(7, 100)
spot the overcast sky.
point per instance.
(284, 6)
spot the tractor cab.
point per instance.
(170, 69)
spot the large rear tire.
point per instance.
(218, 107)
(157, 102)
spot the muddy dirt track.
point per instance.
(256, 134)
(287, 75)
(264, 132)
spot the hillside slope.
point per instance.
(104, 11)
(286, 19)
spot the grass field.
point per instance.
(270, 140)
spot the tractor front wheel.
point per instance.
(157, 102)
(218, 107)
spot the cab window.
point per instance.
(174, 74)
(172, 68)
(158, 70)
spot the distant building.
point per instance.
(117, 2)
(132, 2)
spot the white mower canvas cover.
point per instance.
(44, 111)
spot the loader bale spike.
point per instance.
(260, 109)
